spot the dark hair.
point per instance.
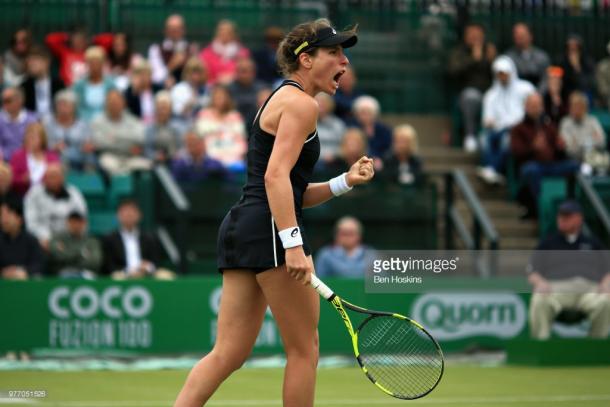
(286, 59)
(38, 51)
(28, 34)
(128, 201)
(121, 60)
(14, 204)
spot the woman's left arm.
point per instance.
(360, 172)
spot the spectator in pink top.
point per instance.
(223, 130)
(220, 57)
(29, 163)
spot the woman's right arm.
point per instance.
(297, 120)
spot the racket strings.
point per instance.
(399, 356)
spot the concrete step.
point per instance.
(518, 243)
(498, 208)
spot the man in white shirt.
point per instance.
(129, 252)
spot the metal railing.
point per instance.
(591, 198)
(482, 226)
(177, 250)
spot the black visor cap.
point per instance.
(329, 37)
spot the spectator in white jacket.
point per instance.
(48, 205)
(503, 107)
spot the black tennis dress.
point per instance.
(248, 237)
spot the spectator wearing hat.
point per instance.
(14, 119)
(602, 79)
(39, 86)
(130, 252)
(555, 96)
(73, 253)
(20, 253)
(47, 205)
(92, 89)
(348, 257)
(68, 135)
(569, 271)
(531, 62)
(503, 108)
(267, 70)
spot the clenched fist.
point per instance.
(361, 172)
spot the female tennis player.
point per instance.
(262, 249)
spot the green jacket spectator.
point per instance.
(73, 253)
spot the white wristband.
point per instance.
(338, 185)
(291, 237)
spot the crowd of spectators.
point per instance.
(529, 113)
(81, 103)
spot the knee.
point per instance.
(603, 304)
(471, 95)
(228, 360)
(541, 302)
(306, 352)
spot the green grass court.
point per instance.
(461, 386)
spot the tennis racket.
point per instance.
(396, 353)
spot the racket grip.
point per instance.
(321, 288)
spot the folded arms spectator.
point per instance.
(118, 137)
(74, 254)
(68, 135)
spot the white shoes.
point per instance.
(490, 176)
(470, 144)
